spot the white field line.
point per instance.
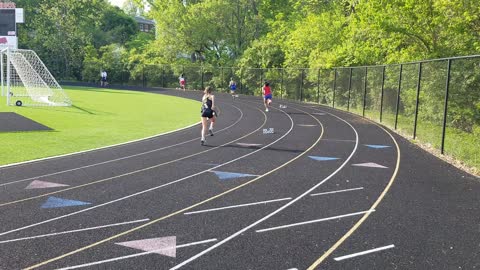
(74, 231)
(312, 221)
(336, 191)
(363, 253)
(112, 160)
(236, 206)
(198, 255)
(99, 148)
(134, 255)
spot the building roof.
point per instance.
(140, 19)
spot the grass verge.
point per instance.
(98, 117)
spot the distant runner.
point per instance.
(233, 88)
(267, 95)
(181, 80)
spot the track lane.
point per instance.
(285, 248)
(175, 213)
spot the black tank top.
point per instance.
(209, 103)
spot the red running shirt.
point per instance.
(266, 90)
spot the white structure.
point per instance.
(25, 80)
(9, 17)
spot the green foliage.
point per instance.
(59, 31)
(115, 27)
(91, 65)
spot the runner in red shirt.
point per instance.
(267, 95)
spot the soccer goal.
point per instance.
(26, 81)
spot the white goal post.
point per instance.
(26, 81)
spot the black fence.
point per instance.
(435, 101)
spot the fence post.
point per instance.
(398, 95)
(221, 82)
(283, 85)
(334, 86)
(418, 100)
(349, 89)
(318, 86)
(241, 80)
(163, 76)
(261, 77)
(447, 86)
(301, 85)
(144, 80)
(383, 90)
(203, 74)
(365, 92)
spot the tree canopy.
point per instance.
(257, 33)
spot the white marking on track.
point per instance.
(335, 140)
(279, 209)
(160, 186)
(133, 255)
(74, 231)
(236, 206)
(312, 221)
(363, 253)
(337, 191)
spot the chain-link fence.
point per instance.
(435, 101)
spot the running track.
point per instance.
(326, 190)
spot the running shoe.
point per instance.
(210, 131)
(266, 110)
(202, 142)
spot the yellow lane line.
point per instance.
(177, 212)
(362, 220)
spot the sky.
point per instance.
(118, 3)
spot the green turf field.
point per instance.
(98, 117)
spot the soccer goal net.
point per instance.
(26, 81)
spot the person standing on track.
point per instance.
(267, 95)
(233, 88)
(208, 112)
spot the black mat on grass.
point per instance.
(11, 122)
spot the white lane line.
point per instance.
(74, 231)
(236, 206)
(313, 221)
(363, 252)
(134, 255)
(338, 140)
(163, 185)
(336, 191)
(198, 255)
(113, 160)
(194, 205)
